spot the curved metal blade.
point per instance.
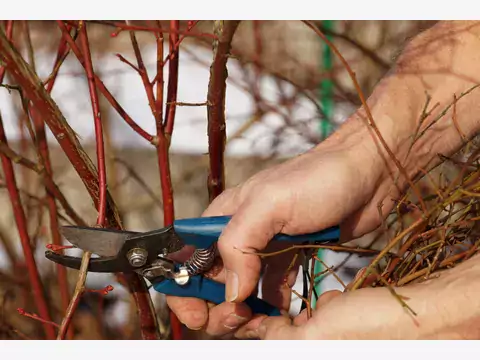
(103, 242)
(102, 265)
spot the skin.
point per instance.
(342, 181)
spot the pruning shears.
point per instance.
(148, 254)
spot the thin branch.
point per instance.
(224, 30)
(77, 294)
(19, 159)
(102, 176)
(108, 95)
(172, 79)
(126, 27)
(177, 103)
(370, 121)
(9, 36)
(338, 248)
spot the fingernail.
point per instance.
(194, 328)
(251, 334)
(233, 321)
(231, 285)
(262, 330)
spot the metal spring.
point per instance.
(200, 261)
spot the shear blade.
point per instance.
(101, 265)
(102, 242)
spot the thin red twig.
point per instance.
(126, 27)
(102, 172)
(158, 81)
(101, 86)
(9, 35)
(36, 317)
(172, 79)
(173, 51)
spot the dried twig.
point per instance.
(370, 121)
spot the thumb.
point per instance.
(279, 328)
(249, 231)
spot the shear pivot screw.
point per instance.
(137, 257)
(182, 277)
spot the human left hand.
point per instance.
(446, 307)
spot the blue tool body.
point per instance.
(204, 232)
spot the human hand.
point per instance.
(445, 307)
(340, 181)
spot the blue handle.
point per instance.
(203, 288)
(204, 231)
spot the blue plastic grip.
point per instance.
(204, 231)
(203, 288)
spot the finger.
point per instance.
(279, 328)
(224, 204)
(191, 312)
(249, 330)
(248, 231)
(301, 318)
(326, 297)
(226, 318)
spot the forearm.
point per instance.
(440, 63)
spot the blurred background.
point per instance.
(285, 93)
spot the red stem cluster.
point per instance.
(33, 90)
(21, 221)
(164, 129)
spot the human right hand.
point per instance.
(339, 182)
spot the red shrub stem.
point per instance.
(172, 80)
(216, 105)
(102, 176)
